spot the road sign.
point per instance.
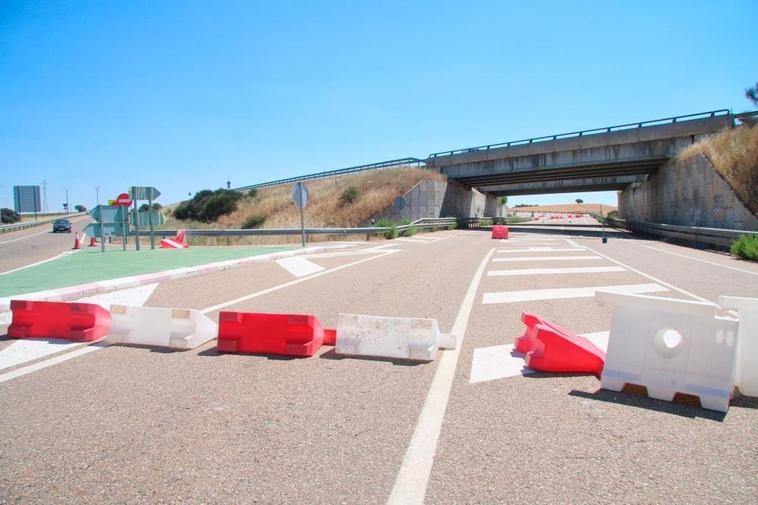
(400, 203)
(144, 193)
(300, 195)
(143, 219)
(109, 213)
(93, 229)
(123, 200)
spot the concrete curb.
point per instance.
(96, 288)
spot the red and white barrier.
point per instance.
(174, 328)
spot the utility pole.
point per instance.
(44, 196)
(66, 200)
(97, 193)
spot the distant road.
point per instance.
(24, 247)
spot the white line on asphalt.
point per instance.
(299, 266)
(558, 293)
(36, 234)
(542, 249)
(405, 239)
(548, 258)
(413, 477)
(698, 259)
(66, 253)
(50, 362)
(552, 271)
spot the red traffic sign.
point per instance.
(123, 200)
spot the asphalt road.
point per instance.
(24, 247)
(143, 425)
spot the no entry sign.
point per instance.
(123, 200)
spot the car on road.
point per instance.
(62, 225)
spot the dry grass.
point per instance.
(734, 155)
(569, 207)
(377, 189)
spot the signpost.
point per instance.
(124, 202)
(300, 197)
(107, 216)
(148, 193)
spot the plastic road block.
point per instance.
(177, 242)
(549, 348)
(175, 328)
(391, 337)
(670, 346)
(499, 231)
(82, 322)
(285, 334)
(746, 371)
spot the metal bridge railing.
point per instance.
(341, 171)
(607, 129)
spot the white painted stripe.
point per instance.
(413, 477)
(19, 372)
(552, 271)
(548, 258)
(542, 249)
(406, 239)
(558, 293)
(173, 243)
(752, 272)
(66, 253)
(299, 266)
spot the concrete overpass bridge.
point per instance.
(609, 158)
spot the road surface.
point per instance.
(121, 424)
(25, 247)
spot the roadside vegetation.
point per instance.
(734, 155)
(746, 247)
(9, 216)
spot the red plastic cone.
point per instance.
(77, 244)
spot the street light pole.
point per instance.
(66, 200)
(97, 193)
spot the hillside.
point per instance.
(568, 207)
(734, 155)
(375, 191)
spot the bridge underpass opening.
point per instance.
(565, 202)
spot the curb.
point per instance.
(99, 287)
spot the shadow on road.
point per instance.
(331, 354)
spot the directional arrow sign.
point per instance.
(109, 213)
(141, 218)
(144, 193)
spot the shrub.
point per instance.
(410, 231)
(348, 196)
(252, 193)
(746, 247)
(254, 221)
(207, 206)
(9, 216)
(144, 207)
(391, 231)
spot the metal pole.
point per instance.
(102, 237)
(97, 194)
(150, 220)
(136, 225)
(302, 220)
(123, 225)
(605, 239)
(66, 201)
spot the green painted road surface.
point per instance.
(91, 265)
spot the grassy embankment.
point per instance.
(375, 190)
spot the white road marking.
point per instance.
(406, 239)
(38, 233)
(698, 259)
(299, 266)
(552, 271)
(548, 258)
(66, 253)
(558, 293)
(26, 350)
(413, 477)
(501, 361)
(542, 249)
(50, 362)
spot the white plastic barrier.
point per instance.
(670, 346)
(746, 373)
(175, 328)
(391, 337)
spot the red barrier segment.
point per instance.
(82, 322)
(499, 231)
(174, 243)
(260, 333)
(550, 348)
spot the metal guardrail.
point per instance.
(31, 224)
(607, 129)
(341, 171)
(420, 224)
(713, 236)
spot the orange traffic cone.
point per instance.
(92, 242)
(77, 244)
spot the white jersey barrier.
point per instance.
(670, 346)
(746, 373)
(391, 337)
(175, 328)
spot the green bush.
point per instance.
(391, 231)
(746, 247)
(410, 231)
(453, 225)
(207, 206)
(252, 193)
(144, 207)
(9, 216)
(348, 196)
(254, 221)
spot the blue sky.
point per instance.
(185, 95)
